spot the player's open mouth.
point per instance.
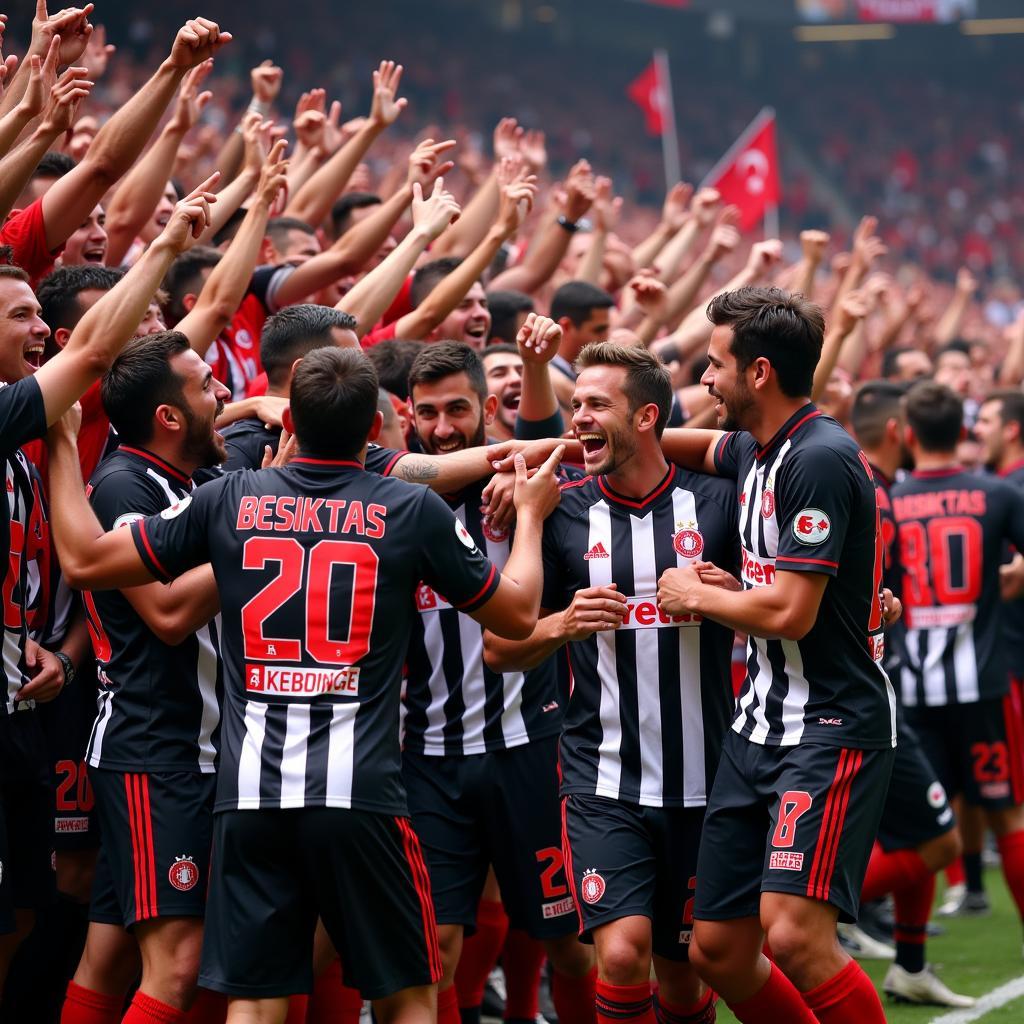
(34, 356)
(453, 445)
(593, 444)
(511, 401)
(478, 332)
(94, 255)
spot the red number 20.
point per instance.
(290, 557)
(793, 805)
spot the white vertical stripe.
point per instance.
(433, 645)
(513, 725)
(648, 678)
(771, 523)
(749, 502)
(473, 687)
(172, 498)
(105, 708)
(965, 664)
(250, 756)
(760, 690)
(932, 668)
(794, 703)
(908, 684)
(341, 755)
(609, 764)
(206, 676)
(293, 757)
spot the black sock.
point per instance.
(910, 954)
(972, 871)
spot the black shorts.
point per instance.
(500, 808)
(26, 839)
(274, 872)
(977, 750)
(67, 723)
(155, 830)
(798, 819)
(916, 808)
(630, 860)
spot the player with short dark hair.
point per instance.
(583, 311)
(316, 565)
(503, 368)
(480, 756)
(809, 755)
(393, 359)
(344, 209)
(508, 311)
(650, 696)
(959, 693)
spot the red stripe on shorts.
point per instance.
(421, 882)
(827, 849)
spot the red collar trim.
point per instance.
(157, 461)
(812, 415)
(930, 474)
(1012, 468)
(350, 463)
(609, 492)
(885, 481)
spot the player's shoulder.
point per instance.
(718, 489)
(579, 493)
(121, 470)
(245, 428)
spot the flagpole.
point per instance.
(771, 221)
(766, 114)
(669, 137)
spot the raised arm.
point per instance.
(266, 84)
(847, 319)
(108, 325)
(538, 340)
(120, 141)
(674, 215)
(953, 315)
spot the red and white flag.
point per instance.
(748, 175)
(648, 92)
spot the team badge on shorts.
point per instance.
(768, 504)
(592, 887)
(183, 874)
(494, 534)
(688, 543)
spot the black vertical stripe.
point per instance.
(670, 682)
(276, 723)
(452, 667)
(625, 658)
(317, 754)
(949, 666)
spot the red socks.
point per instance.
(913, 908)
(448, 1006)
(847, 998)
(480, 952)
(521, 960)
(574, 997)
(701, 1012)
(777, 1000)
(624, 1004)
(332, 1001)
(955, 873)
(891, 872)
(1011, 850)
(147, 1010)
(83, 1006)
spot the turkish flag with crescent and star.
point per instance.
(647, 92)
(748, 175)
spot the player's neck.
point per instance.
(773, 417)
(171, 454)
(638, 476)
(881, 460)
(928, 462)
(1013, 455)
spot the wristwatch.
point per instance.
(68, 665)
(570, 225)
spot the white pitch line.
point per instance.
(990, 1001)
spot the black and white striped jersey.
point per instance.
(454, 704)
(807, 504)
(951, 526)
(158, 704)
(22, 418)
(317, 565)
(650, 701)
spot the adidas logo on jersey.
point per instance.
(597, 551)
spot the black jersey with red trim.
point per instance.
(317, 566)
(952, 526)
(649, 701)
(454, 704)
(887, 527)
(159, 704)
(807, 504)
(1013, 611)
(22, 418)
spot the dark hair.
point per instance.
(499, 346)
(505, 307)
(427, 277)
(647, 380)
(139, 381)
(891, 360)
(54, 165)
(444, 359)
(385, 406)
(936, 415)
(14, 273)
(295, 331)
(341, 211)
(576, 300)
(58, 292)
(956, 345)
(334, 402)
(185, 277)
(1011, 406)
(393, 360)
(785, 328)
(876, 402)
(278, 228)
(230, 227)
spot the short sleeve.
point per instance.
(814, 495)
(121, 498)
(382, 460)
(177, 539)
(22, 413)
(728, 453)
(451, 562)
(25, 233)
(534, 430)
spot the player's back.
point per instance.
(951, 526)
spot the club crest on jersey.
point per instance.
(592, 887)
(936, 795)
(688, 543)
(463, 534)
(495, 534)
(183, 874)
(768, 504)
(811, 526)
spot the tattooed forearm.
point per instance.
(417, 470)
